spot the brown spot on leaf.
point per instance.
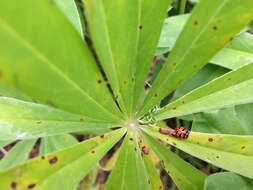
(81, 119)
(125, 81)
(231, 38)
(229, 78)
(31, 186)
(140, 27)
(93, 151)
(99, 81)
(217, 157)
(13, 185)
(195, 22)
(102, 136)
(148, 181)
(53, 160)
(39, 122)
(135, 149)
(183, 102)
(210, 139)
(131, 139)
(174, 64)
(156, 94)
(145, 150)
(43, 157)
(215, 28)
(174, 108)
(243, 147)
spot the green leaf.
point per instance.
(8, 92)
(236, 54)
(210, 25)
(114, 29)
(25, 120)
(48, 171)
(150, 29)
(58, 142)
(183, 174)
(221, 181)
(151, 164)
(18, 154)
(230, 152)
(69, 8)
(236, 120)
(42, 64)
(231, 89)
(129, 171)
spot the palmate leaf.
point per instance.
(25, 120)
(210, 25)
(44, 67)
(236, 120)
(231, 152)
(183, 174)
(234, 88)
(129, 171)
(236, 54)
(48, 171)
(114, 32)
(221, 181)
(18, 154)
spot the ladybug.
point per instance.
(181, 133)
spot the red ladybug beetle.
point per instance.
(181, 133)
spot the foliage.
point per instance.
(62, 74)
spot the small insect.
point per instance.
(181, 133)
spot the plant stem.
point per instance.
(182, 6)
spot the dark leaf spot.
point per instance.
(196, 23)
(243, 147)
(215, 28)
(217, 157)
(183, 102)
(93, 151)
(195, 66)
(125, 81)
(140, 27)
(135, 149)
(99, 81)
(39, 122)
(229, 78)
(160, 187)
(174, 108)
(231, 38)
(1, 74)
(13, 185)
(210, 139)
(31, 186)
(81, 119)
(174, 64)
(148, 181)
(43, 157)
(131, 139)
(145, 150)
(53, 160)
(156, 94)
(102, 136)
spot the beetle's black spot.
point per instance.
(99, 81)
(215, 28)
(243, 147)
(195, 22)
(13, 185)
(102, 136)
(210, 139)
(53, 160)
(31, 186)
(140, 27)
